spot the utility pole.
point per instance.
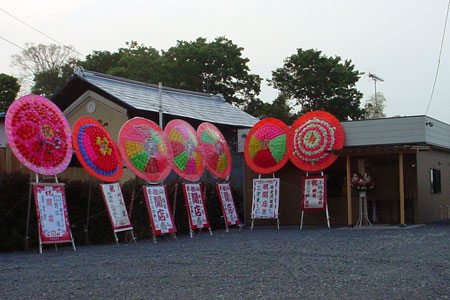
(160, 88)
(375, 78)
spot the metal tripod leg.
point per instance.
(301, 220)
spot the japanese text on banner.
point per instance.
(159, 209)
(265, 198)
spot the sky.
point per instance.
(399, 40)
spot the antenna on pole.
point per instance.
(375, 78)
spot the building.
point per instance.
(113, 100)
(409, 159)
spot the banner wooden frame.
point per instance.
(277, 202)
(222, 204)
(193, 226)
(43, 240)
(128, 227)
(155, 231)
(325, 199)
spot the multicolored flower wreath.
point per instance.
(311, 138)
(215, 149)
(96, 150)
(39, 135)
(145, 149)
(187, 153)
(265, 146)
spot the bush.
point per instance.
(14, 190)
(95, 229)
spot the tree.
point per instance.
(216, 68)
(279, 109)
(9, 87)
(136, 62)
(101, 61)
(45, 66)
(374, 106)
(318, 82)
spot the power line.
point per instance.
(11, 42)
(37, 30)
(439, 59)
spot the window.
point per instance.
(435, 181)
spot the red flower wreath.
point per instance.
(96, 150)
(311, 138)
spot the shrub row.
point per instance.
(95, 229)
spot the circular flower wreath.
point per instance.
(311, 138)
(215, 149)
(96, 150)
(265, 146)
(39, 135)
(362, 182)
(187, 154)
(145, 149)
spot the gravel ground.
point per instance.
(315, 263)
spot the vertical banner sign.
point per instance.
(198, 218)
(266, 197)
(51, 210)
(314, 193)
(112, 195)
(158, 209)
(227, 202)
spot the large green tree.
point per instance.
(318, 82)
(47, 82)
(279, 109)
(101, 61)
(136, 61)
(9, 87)
(216, 67)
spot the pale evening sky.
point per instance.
(397, 40)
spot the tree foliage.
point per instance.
(279, 109)
(137, 62)
(374, 106)
(46, 66)
(318, 82)
(9, 87)
(216, 67)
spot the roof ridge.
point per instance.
(151, 85)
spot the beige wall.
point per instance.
(428, 203)
(9, 163)
(106, 111)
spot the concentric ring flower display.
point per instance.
(215, 150)
(265, 146)
(39, 135)
(145, 149)
(187, 152)
(312, 137)
(96, 150)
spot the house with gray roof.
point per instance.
(113, 100)
(143, 98)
